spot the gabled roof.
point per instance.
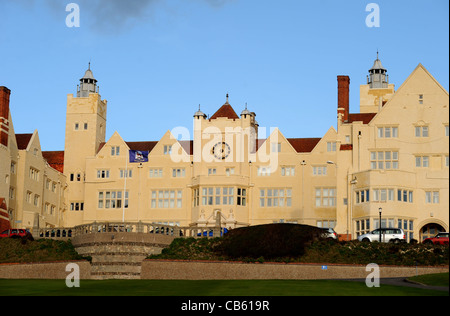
(55, 159)
(225, 110)
(304, 145)
(23, 140)
(141, 146)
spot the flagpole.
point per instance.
(125, 186)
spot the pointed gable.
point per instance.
(23, 140)
(303, 145)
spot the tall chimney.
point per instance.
(4, 115)
(343, 97)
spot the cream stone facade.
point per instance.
(33, 190)
(392, 156)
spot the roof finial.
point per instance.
(377, 53)
(227, 98)
(89, 68)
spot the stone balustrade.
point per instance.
(64, 233)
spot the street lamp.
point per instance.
(379, 211)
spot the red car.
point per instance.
(16, 233)
(439, 239)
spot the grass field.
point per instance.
(206, 288)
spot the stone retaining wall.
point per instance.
(50, 270)
(196, 270)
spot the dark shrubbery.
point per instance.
(300, 243)
(268, 241)
(18, 250)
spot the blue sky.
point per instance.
(157, 60)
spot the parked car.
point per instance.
(330, 233)
(439, 239)
(16, 233)
(394, 235)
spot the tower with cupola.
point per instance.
(85, 131)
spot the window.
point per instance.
(276, 147)
(383, 195)
(102, 174)
(167, 149)
(34, 174)
(115, 150)
(446, 161)
(241, 197)
(421, 131)
(331, 146)
(404, 195)
(229, 171)
(13, 167)
(36, 200)
(362, 196)
(263, 171)
(388, 132)
(76, 126)
(207, 196)
(217, 196)
(156, 173)
(422, 161)
(178, 173)
(288, 171)
(279, 197)
(362, 226)
(227, 196)
(112, 199)
(384, 160)
(85, 126)
(166, 199)
(326, 223)
(432, 197)
(407, 226)
(123, 173)
(77, 206)
(446, 130)
(420, 98)
(196, 197)
(325, 197)
(319, 170)
(28, 197)
(212, 171)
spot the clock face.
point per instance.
(221, 150)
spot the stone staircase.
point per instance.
(118, 255)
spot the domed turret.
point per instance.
(378, 79)
(199, 114)
(88, 84)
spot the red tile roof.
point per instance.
(346, 147)
(23, 140)
(142, 146)
(225, 110)
(304, 145)
(361, 117)
(55, 159)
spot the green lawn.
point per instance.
(206, 288)
(439, 279)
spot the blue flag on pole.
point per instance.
(138, 156)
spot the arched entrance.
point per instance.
(430, 230)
